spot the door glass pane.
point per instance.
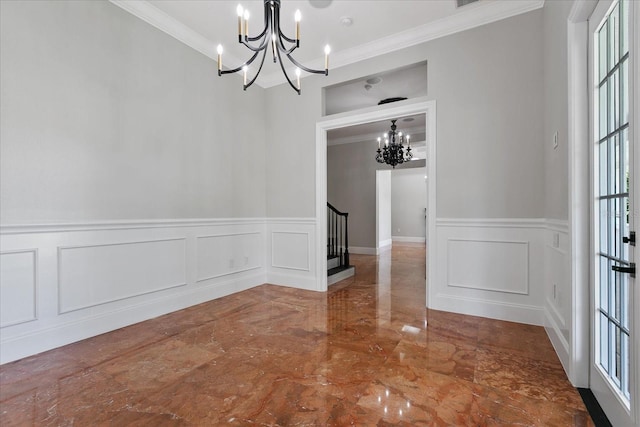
(624, 83)
(603, 172)
(624, 25)
(613, 49)
(602, 51)
(605, 268)
(604, 343)
(614, 101)
(603, 98)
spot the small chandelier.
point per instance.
(393, 151)
(270, 38)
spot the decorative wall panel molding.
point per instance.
(224, 254)
(100, 274)
(290, 250)
(18, 287)
(488, 265)
(491, 267)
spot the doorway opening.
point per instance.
(379, 113)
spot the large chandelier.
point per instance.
(270, 38)
(392, 153)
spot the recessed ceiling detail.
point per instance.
(320, 4)
(346, 21)
(367, 91)
(460, 3)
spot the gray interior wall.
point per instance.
(556, 109)
(408, 201)
(106, 117)
(351, 187)
(488, 84)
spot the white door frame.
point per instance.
(579, 201)
(580, 190)
(383, 112)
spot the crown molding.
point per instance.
(472, 17)
(167, 24)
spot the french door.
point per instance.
(614, 325)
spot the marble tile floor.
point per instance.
(367, 353)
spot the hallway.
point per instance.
(366, 353)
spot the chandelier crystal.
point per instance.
(270, 38)
(392, 153)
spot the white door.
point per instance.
(614, 348)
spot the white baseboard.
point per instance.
(293, 280)
(560, 344)
(519, 313)
(405, 239)
(362, 250)
(383, 244)
(61, 334)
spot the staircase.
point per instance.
(338, 267)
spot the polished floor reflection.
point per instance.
(366, 353)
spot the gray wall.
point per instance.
(488, 83)
(556, 109)
(408, 200)
(106, 117)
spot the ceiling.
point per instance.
(377, 26)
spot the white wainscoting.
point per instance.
(64, 283)
(490, 268)
(557, 303)
(18, 287)
(291, 253)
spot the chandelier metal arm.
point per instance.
(235, 70)
(263, 44)
(308, 70)
(264, 55)
(294, 87)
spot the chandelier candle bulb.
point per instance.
(408, 141)
(378, 143)
(298, 16)
(298, 77)
(219, 57)
(327, 51)
(244, 70)
(246, 23)
(240, 15)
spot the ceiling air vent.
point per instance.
(461, 3)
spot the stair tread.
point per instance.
(338, 269)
